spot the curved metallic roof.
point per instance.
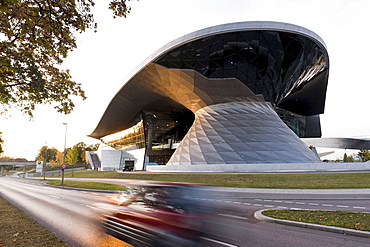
(229, 27)
(136, 93)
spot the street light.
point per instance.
(64, 153)
(65, 143)
(46, 154)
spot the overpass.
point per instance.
(14, 163)
(340, 143)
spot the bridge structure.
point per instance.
(14, 163)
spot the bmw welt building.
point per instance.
(220, 99)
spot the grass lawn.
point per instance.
(16, 229)
(350, 220)
(86, 185)
(278, 181)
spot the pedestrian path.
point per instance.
(293, 191)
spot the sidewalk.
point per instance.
(122, 182)
(293, 191)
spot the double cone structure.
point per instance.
(234, 94)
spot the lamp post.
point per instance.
(46, 154)
(64, 153)
(24, 167)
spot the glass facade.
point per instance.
(271, 63)
(128, 138)
(158, 132)
(164, 131)
(295, 122)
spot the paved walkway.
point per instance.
(294, 191)
(232, 189)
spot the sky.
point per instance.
(104, 59)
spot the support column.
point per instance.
(2, 168)
(247, 132)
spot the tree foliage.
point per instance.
(47, 154)
(72, 156)
(364, 155)
(58, 161)
(347, 159)
(93, 147)
(1, 144)
(35, 37)
(82, 148)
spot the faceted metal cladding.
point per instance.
(240, 133)
(228, 76)
(270, 63)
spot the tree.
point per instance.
(351, 159)
(58, 161)
(81, 146)
(47, 154)
(93, 147)
(72, 157)
(364, 155)
(345, 158)
(35, 37)
(1, 144)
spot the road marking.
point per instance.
(327, 205)
(360, 207)
(287, 202)
(85, 205)
(228, 201)
(268, 206)
(258, 205)
(219, 242)
(300, 203)
(296, 208)
(57, 197)
(342, 206)
(278, 201)
(246, 203)
(232, 216)
(313, 204)
(282, 207)
(237, 202)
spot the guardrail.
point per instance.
(40, 174)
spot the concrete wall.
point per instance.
(290, 167)
(110, 160)
(138, 156)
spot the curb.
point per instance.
(81, 189)
(258, 215)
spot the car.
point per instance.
(160, 214)
(128, 168)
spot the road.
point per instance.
(72, 216)
(66, 213)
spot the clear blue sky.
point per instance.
(104, 59)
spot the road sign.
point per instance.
(63, 167)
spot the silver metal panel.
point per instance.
(228, 143)
(248, 25)
(341, 143)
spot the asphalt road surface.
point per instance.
(73, 217)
